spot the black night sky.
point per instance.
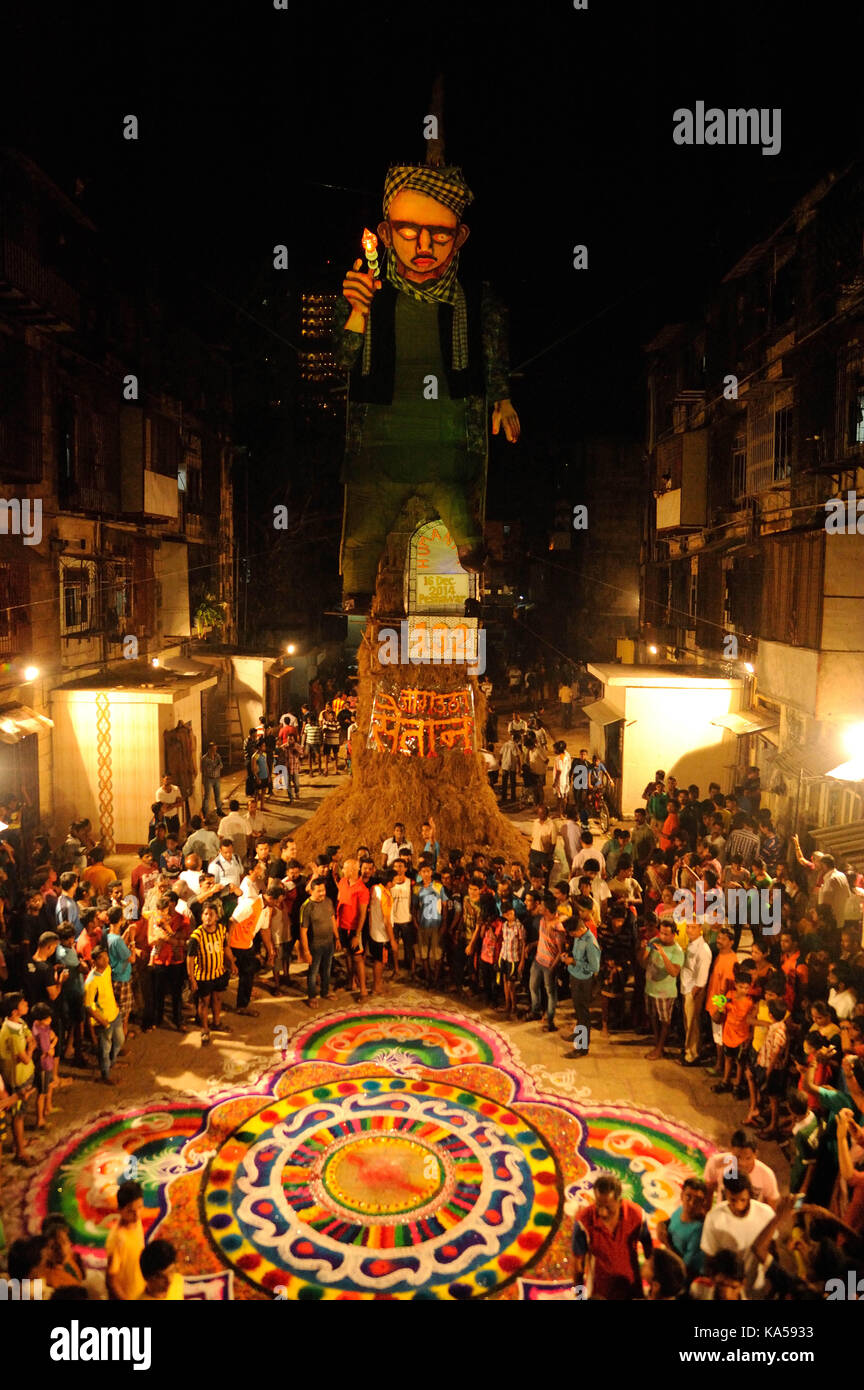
(260, 126)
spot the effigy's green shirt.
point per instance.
(417, 432)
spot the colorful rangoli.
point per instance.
(387, 1156)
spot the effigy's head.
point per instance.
(423, 225)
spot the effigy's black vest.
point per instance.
(377, 387)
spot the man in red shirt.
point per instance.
(144, 875)
(609, 1232)
(352, 904)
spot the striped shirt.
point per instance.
(512, 941)
(207, 952)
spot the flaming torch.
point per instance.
(370, 247)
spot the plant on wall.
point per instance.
(209, 615)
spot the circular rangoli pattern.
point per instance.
(383, 1186)
(392, 1155)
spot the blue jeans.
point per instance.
(543, 975)
(322, 959)
(110, 1039)
(212, 785)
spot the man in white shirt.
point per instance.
(226, 867)
(544, 835)
(693, 982)
(841, 998)
(735, 1223)
(741, 1160)
(396, 845)
(597, 887)
(189, 882)
(401, 915)
(834, 889)
(381, 934)
(588, 851)
(235, 827)
(171, 798)
(201, 841)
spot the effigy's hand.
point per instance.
(505, 414)
(358, 288)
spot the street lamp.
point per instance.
(853, 770)
(291, 649)
(31, 673)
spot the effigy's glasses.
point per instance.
(410, 231)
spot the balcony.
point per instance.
(33, 293)
(144, 492)
(682, 464)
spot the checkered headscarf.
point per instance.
(447, 186)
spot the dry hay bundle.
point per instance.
(452, 788)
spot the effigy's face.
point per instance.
(423, 234)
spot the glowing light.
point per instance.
(155, 661)
(8, 727)
(370, 246)
(853, 740)
(31, 673)
(853, 771)
(653, 651)
(290, 649)
(749, 667)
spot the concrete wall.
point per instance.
(136, 749)
(673, 730)
(172, 571)
(789, 674)
(249, 672)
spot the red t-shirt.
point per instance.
(614, 1252)
(352, 897)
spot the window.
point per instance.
(769, 440)
(117, 596)
(856, 412)
(77, 596)
(782, 442)
(739, 466)
(14, 614)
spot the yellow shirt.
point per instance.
(173, 1295)
(99, 994)
(763, 1023)
(123, 1248)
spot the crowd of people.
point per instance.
(751, 968)
(689, 926)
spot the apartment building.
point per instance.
(755, 418)
(115, 434)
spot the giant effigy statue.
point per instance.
(428, 362)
